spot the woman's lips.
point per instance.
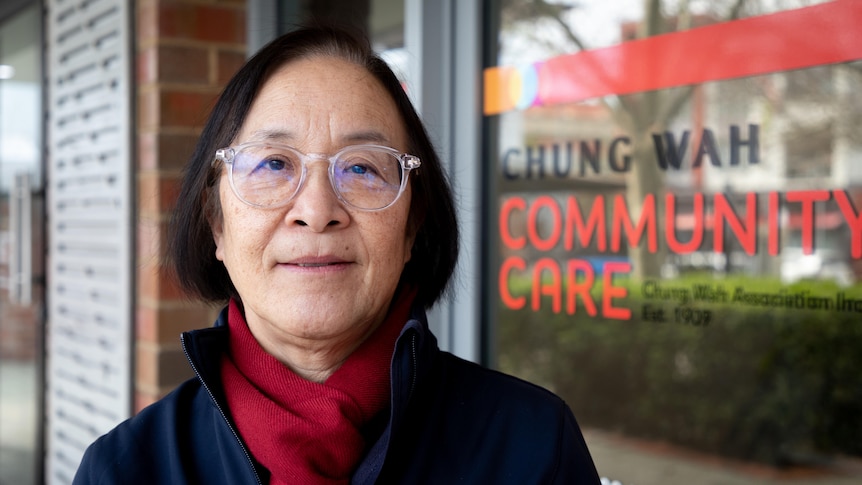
(314, 262)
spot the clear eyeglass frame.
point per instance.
(228, 155)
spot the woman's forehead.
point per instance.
(324, 81)
(324, 96)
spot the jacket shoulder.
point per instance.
(499, 427)
(135, 449)
(181, 439)
(482, 384)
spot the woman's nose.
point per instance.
(316, 206)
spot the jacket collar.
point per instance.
(411, 364)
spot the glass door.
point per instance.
(21, 246)
(673, 230)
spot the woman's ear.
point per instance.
(216, 228)
(212, 208)
(414, 223)
(409, 239)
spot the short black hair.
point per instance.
(432, 211)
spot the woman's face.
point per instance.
(316, 272)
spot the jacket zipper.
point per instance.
(221, 411)
(415, 361)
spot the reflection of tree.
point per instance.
(638, 115)
(791, 392)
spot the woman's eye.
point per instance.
(273, 164)
(358, 169)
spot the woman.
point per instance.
(314, 204)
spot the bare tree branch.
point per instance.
(736, 11)
(683, 16)
(574, 38)
(665, 105)
(621, 115)
(652, 23)
(678, 100)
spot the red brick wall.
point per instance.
(19, 323)
(186, 51)
(18, 326)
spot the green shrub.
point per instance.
(756, 384)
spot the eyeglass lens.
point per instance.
(267, 176)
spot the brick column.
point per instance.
(186, 52)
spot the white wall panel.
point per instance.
(90, 214)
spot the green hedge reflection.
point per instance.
(780, 387)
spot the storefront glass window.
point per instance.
(675, 230)
(21, 246)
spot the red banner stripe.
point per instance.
(827, 33)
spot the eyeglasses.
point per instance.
(269, 175)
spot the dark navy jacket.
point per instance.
(451, 421)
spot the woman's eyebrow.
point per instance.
(370, 136)
(272, 135)
(283, 136)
